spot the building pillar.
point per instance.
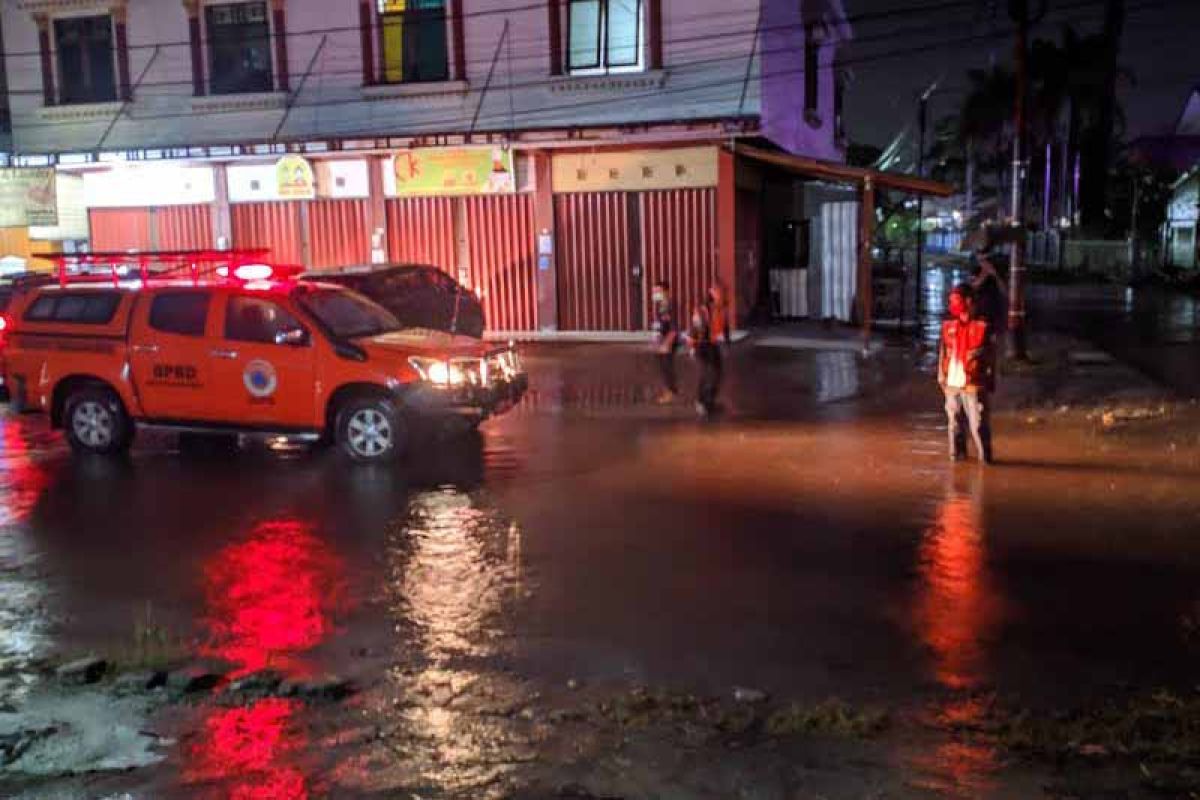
(305, 233)
(462, 245)
(554, 26)
(222, 218)
(366, 42)
(42, 21)
(727, 229)
(121, 40)
(377, 213)
(282, 70)
(866, 238)
(192, 8)
(547, 241)
(458, 34)
(654, 32)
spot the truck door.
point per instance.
(169, 354)
(264, 364)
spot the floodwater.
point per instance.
(816, 543)
(1152, 328)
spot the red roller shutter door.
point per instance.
(340, 232)
(502, 244)
(275, 226)
(114, 229)
(184, 227)
(679, 242)
(594, 271)
(421, 231)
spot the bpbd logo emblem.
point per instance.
(260, 379)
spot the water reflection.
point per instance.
(836, 375)
(271, 597)
(957, 608)
(24, 623)
(454, 570)
(456, 575)
(956, 612)
(22, 477)
(257, 748)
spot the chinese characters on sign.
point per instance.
(27, 197)
(454, 171)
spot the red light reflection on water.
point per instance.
(22, 480)
(956, 608)
(255, 748)
(271, 597)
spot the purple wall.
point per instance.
(782, 63)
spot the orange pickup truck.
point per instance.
(242, 351)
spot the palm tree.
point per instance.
(984, 125)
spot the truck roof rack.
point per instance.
(149, 265)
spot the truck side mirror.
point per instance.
(294, 337)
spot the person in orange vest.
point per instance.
(708, 331)
(966, 373)
(718, 307)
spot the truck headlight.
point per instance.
(438, 372)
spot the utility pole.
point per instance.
(1133, 227)
(1017, 342)
(922, 121)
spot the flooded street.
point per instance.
(601, 597)
(1152, 328)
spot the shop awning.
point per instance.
(842, 173)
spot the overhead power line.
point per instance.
(431, 126)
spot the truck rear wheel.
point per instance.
(96, 422)
(371, 430)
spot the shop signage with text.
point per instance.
(294, 176)
(454, 171)
(28, 197)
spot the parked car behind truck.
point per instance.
(420, 295)
(247, 352)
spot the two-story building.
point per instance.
(558, 156)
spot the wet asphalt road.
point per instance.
(816, 543)
(1153, 329)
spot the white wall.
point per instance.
(707, 44)
(135, 185)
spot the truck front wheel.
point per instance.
(371, 430)
(96, 422)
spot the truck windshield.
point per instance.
(348, 315)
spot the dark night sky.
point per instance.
(1161, 46)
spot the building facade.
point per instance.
(557, 156)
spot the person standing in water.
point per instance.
(708, 330)
(967, 377)
(666, 340)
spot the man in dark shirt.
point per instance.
(666, 340)
(990, 297)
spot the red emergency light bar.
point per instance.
(147, 265)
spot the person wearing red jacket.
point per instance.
(966, 373)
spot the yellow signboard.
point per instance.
(454, 171)
(27, 197)
(635, 170)
(294, 178)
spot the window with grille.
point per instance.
(605, 35)
(413, 41)
(86, 59)
(239, 48)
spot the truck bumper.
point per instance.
(475, 403)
